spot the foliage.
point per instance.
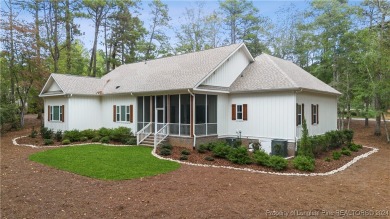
(9, 115)
(239, 155)
(66, 142)
(102, 162)
(183, 157)
(185, 152)
(348, 136)
(261, 158)
(48, 141)
(120, 133)
(304, 163)
(33, 133)
(345, 152)
(89, 133)
(82, 139)
(165, 152)
(319, 144)
(73, 135)
(96, 138)
(221, 150)
(328, 159)
(304, 148)
(131, 141)
(353, 147)
(58, 135)
(336, 155)
(103, 132)
(46, 133)
(166, 146)
(277, 163)
(105, 140)
(202, 148)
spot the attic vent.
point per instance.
(117, 87)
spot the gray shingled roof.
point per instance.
(171, 73)
(71, 84)
(271, 73)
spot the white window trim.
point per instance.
(300, 114)
(52, 113)
(315, 115)
(242, 112)
(118, 114)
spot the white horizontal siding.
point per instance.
(56, 101)
(228, 72)
(327, 116)
(107, 111)
(84, 113)
(270, 116)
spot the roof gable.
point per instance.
(51, 88)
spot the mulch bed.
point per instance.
(39, 141)
(321, 166)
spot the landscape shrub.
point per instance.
(239, 155)
(185, 152)
(96, 138)
(72, 135)
(183, 157)
(277, 163)
(89, 133)
(353, 147)
(348, 136)
(84, 138)
(33, 133)
(336, 155)
(327, 159)
(304, 163)
(319, 144)
(105, 140)
(66, 142)
(58, 135)
(46, 133)
(261, 158)
(237, 144)
(346, 152)
(256, 146)
(131, 141)
(165, 151)
(104, 132)
(336, 139)
(166, 146)
(202, 148)
(305, 148)
(120, 133)
(208, 158)
(221, 150)
(48, 141)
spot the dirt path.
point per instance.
(31, 190)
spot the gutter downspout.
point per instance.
(295, 130)
(193, 122)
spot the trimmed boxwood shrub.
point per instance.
(261, 158)
(72, 135)
(183, 157)
(46, 133)
(104, 132)
(202, 148)
(354, 147)
(221, 150)
(89, 133)
(277, 163)
(120, 133)
(66, 142)
(105, 140)
(336, 155)
(166, 146)
(131, 141)
(58, 135)
(347, 136)
(48, 141)
(185, 152)
(346, 152)
(239, 155)
(165, 152)
(304, 163)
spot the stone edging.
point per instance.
(345, 166)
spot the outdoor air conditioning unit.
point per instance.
(279, 147)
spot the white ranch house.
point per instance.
(193, 98)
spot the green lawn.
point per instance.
(105, 162)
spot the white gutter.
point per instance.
(193, 122)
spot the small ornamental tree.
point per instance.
(305, 148)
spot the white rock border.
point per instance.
(345, 166)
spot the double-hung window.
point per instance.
(239, 112)
(56, 113)
(314, 114)
(300, 113)
(123, 113)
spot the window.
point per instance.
(56, 113)
(314, 114)
(240, 112)
(300, 113)
(123, 113)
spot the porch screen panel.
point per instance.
(174, 115)
(185, 114)
(147, 110)
(200, 114)
(211, 114)
(140, 113)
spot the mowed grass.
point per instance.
(105, 162)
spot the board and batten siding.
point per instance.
(228, 72)
(270, 116)
(107, 111)
(84, 112)
(56, 101)
(327, 116)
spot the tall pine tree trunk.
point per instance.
(68, 21)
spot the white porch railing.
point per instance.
(161, 135)
(144, 132)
